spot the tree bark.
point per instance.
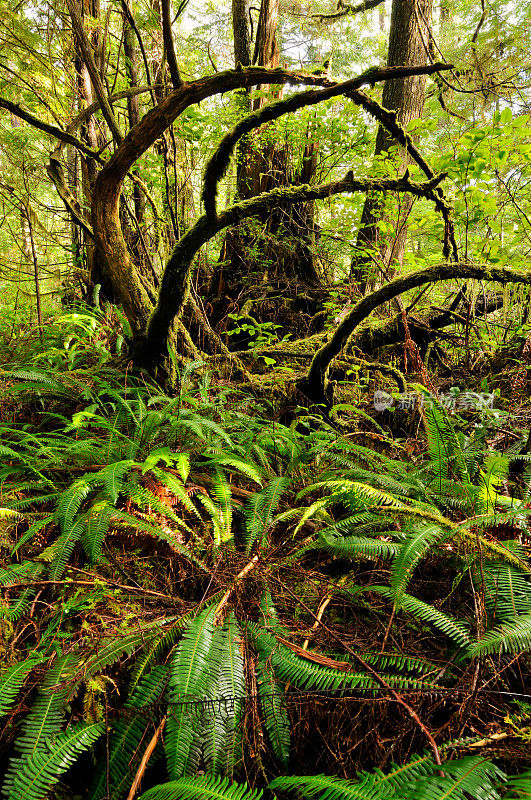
(408, 44)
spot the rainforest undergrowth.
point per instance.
(199, 600)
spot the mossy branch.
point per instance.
(219, 161)
(314, 385)
(388, 119)
(176, 277)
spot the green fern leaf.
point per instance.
(11, 682)
(51, 760)
(227, 690)
(203, 788)
(416, 546)
(239, 465)
(71, 500)
(63, 547)
(112, 478)
(188, 683)
(44, 719)
(127, 735)
(260, 509)
(511, 637)
(274, 710)
(452, 628)
(98, 520)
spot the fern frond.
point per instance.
(352, 546)
(52, 759)
(112, 478)
(454, 629)
(511, 637)
(176, 487)
(98, 520)
(11, 682)
(44, 719)
(226, 688)
(189, 681)
(507, 590)
(416, 780)
(72, 498)
(274, 710)
(260, 509)
(203, 788)
(127, 734)
(167, 638)
(63, 547)
(247, 468)
(412, 550)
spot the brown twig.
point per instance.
(145, 758)
(378, 678)
(224, 600)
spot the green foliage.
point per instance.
(45, 765)
(206, 787)
(468, 777)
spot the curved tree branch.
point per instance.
(176, 277)
(343, 9)
(219, 161)
(106, 196)
(314, 385)
(51, 130)
(389, 120)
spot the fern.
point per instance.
(304, 673)
(274, 710)
(52, 759)
(226, 689)
(127, 735)
(188, 682)
(416, 780)
(507, 590)
(93, 532)
(416, 546)
(356, 546)
(260, 509)
(112, 477)
(246, 467)
(43, 721)
(438, 619)
(512, 637)
(445, 450)
(203, 788)
(167, 638)
(64, 546)
(11, 682)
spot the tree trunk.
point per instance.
(408, 46)
(275, 250)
